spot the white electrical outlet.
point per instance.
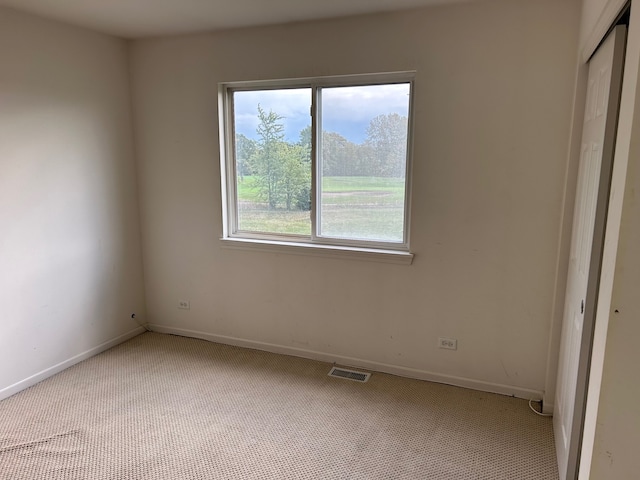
(184, 304)
(448, 343)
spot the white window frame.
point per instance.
(389, 252)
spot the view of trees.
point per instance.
(282, 170)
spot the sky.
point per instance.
(345, 110)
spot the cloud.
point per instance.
(292, 104)
(348, 110)
(365, 102)
(345, 110)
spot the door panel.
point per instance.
(601, 109)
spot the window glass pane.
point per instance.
(273, 160)
(363, 156)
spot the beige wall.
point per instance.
(592, 10)
(70, 263)
(493, 98)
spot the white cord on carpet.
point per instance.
(537, 412)
(133, 316)
(8, 448)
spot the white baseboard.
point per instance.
(38, 377)
(480, 385)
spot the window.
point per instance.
(321, 162)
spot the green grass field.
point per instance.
(369, 208)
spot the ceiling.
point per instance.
(145, 18)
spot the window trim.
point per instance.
(397, 252)
(399, 257)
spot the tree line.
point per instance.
(282, 169)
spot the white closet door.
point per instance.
(604, 70)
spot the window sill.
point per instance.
(319, 250)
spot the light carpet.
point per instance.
(167, 407)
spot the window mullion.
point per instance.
(316, 159)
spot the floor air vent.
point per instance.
(349, 374)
